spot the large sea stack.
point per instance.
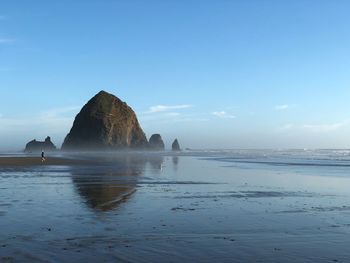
(105, 123)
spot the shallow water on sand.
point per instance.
(198, 207)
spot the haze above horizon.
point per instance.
(214, 74)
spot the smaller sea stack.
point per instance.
(156, 142)
(36, 146)
(175, 146)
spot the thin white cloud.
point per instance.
(223, 115)
(282, 107)
(161, 113)
(316, 128)
(60, 111)
(169, 117)
(52, 117)
(6, 40)
(164, 108)
(325, 127)
(190, 119)
(160, 116)
(55, 122)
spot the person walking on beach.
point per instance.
(42, 156)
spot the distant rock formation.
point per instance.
(105, 122)
(36, 146)
(156, 142)
(175, 146)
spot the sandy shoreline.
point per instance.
(34, 161)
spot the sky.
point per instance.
(212, 73)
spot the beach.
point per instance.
(35, 161)
(234, 206)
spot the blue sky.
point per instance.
(215, 74)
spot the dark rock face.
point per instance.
(105, 122)
(36, 146)
(175, 146)
(156, 142)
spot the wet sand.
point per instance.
(158, 208)
(35, 161)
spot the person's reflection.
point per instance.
(105, 186)
(175, 162)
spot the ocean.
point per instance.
(192, 206)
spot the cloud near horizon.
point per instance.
(223, 115)
(60, 111)
(325, 127)
(53, 122)
(164, 108)
(282, 107)
(316, 128)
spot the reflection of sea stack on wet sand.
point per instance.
(114, 182)
(104, 187)
(105, 196)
